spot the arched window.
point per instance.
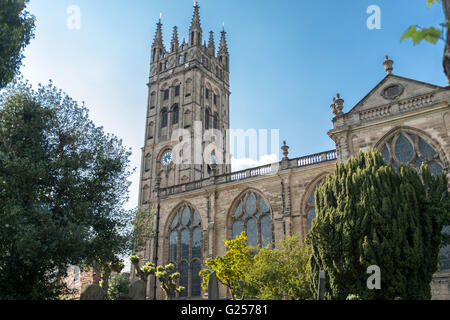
(152, 100)
(215, 121)
(252, 215)
(310, 207)
(409, 148)
(164, 116)
(175, 114)
(207, 116)
(185, 249)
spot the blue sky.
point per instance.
(288, 59)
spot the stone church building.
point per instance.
(202, 203)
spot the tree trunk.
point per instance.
(446, 62)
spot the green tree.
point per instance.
(118, 286)
(232, 267)
(368, 213)
(16, 31)
(63, 184)
(165, 274)
(433, 34)
(280, 273)
(143, 229)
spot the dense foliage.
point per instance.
(280, 273)
(263, 273)
(369, 213)
(118, 286)
(231, 268)
(63, 184)
(143, 229)
(16, 31)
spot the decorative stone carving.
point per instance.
(387, 64)
(285, 149)
(338, 105)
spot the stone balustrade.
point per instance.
(269, 169)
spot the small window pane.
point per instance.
(184, 278)
(386, 155)
(174, 222)
(238, 211)
(196, 218)
(250, 205)
(186, 216)
(310, 217)
(237, 229)
(263, 207)
(252, 232)
(266, 230)
(185, 244)
(435, 168)
(426, 150)
(196, 289)
(311, 200)
(404, 151)
(197, 243)
(173, 242)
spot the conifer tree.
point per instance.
(369, 213)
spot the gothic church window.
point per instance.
(409, 148)
(207, 116)
(164, 117)
(152, 100)
(252, 215)
(166, 94)
(175, 114)
(177, 90)
(215, 121)
(310, 207)
(185, 249)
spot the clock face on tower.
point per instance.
(167, 158)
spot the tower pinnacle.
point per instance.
(158, 41)
(175, 44)
(211, 46)
(195, 30)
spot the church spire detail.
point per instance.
(195, 31)
(158, 41)
(175, 44)
(223, 49)
(211, 46)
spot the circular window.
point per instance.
(392, 92)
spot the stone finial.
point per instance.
(387, 64)
(285, 149)
(338, 105)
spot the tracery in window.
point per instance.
(185, 249)
(409, 148)
(252, 215)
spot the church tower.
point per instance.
(187, 112)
